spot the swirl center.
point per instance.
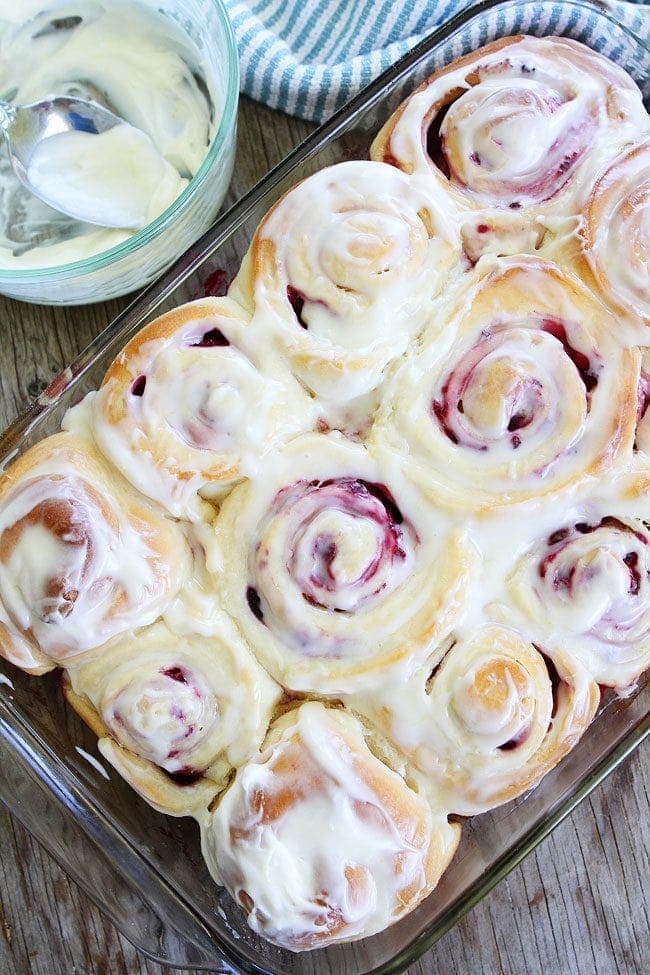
(334, 545)
(495, 698)
(361, 247)
(514, 140)
(506, 391)
(163, 717)
(337, 550)
(601, 574)
(203, 402)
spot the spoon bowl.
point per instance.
(27, 128)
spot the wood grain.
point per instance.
(576, 905)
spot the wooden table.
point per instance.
(576, 905)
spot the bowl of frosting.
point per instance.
(169, 69)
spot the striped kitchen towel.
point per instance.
(308, 57)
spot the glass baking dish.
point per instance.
(145, 870)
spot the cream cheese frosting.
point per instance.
(376, 851)
(115, 179)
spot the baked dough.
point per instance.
(382, 852)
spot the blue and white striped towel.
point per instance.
(308, 57)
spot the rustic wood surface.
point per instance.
(577, 905)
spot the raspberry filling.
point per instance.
(603, 569)
(434, 141)
(212, 339)
(643, 399)
(346, 541)
(217, 283)
(138, 386)
(254, 603)
(185, 776)
(509, 143)
(585, 367)
(297, 301)
(176, 673)
(501, 389)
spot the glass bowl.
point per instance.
(140, 259)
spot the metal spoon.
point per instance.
(25, 127)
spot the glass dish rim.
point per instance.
(144, 236)
(155, 294)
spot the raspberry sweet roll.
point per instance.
(615, 239)
(522, 390)
(318, 840)
(583, 587)
(175, 713)
(487, 718)
(83, 558)
(190, 405)
(333, 565)
(514, 133)
(341, 272)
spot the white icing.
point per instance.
(79, 568)
(326, 562)
(205, 416)
(343, 877)
(504, 131)
(363, 250)
(529, 124)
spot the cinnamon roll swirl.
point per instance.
(319, 841)
(584, 587)
(188, 408)
(341, 271)
(526, 390)
(515, 132)
(333, 566)
(175, 714)
(615, 237)
(82, 557)
(488, 717)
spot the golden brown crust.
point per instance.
(126, 366)
(155, 787)
(381, 149)
(77, 589)
(619, 198)
(393, 826)
(84, 708)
